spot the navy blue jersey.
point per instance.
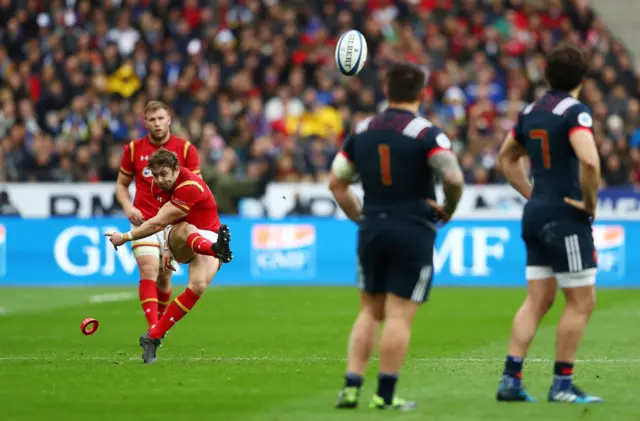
(543, 128)
(390, 153)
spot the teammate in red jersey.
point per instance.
(155, 283)
(195, 237)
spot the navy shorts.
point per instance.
(563, 248)
(396, 256)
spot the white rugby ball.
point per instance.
(351, 53)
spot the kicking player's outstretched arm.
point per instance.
(342, 172)
(513, 167)
(445, 164)
(584, 145)
(167, 214)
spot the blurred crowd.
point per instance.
(253, 83)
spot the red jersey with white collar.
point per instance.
(134, 164)
(191, 194)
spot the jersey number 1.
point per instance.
(543, 136)
(385, 164)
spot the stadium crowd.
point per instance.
(253, 82)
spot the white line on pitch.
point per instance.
(106, 298)
(435, 360)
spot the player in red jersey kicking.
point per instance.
(195, 237)
(155, 284)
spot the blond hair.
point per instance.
(153, 106)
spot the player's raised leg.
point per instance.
(186, 241)
(200, 244)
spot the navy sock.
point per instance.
(352, 380)
(562, 375)
(387, 386)
(513, 370)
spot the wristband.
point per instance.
(127, 236)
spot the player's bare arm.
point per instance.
(169, 213)
(445, 164)
(513, 167)
(123, 197)
(342, 173)
(584, 145)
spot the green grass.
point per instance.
(278, 354)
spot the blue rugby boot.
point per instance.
(511, 390)
(570, 393)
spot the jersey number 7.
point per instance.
(543, 136)
(385, 163)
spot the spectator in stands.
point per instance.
(228, 186)
(76, 75)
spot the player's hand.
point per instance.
(166, 261)
(443, 216)
(116, 239)
(581, 206)
(135, 216)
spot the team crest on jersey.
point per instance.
(443, 141)
(584, 119)
(147, 172)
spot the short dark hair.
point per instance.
(566, 67)
(164, 158)
(404, 82)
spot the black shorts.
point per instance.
(396, 256)
(563, 248)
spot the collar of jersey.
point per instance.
(398, 110)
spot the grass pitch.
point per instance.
(277, 354)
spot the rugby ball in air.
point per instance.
(351, 53)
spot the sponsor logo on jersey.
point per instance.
(584, 119)
(443, 141)
(147, 172)
(283, 252)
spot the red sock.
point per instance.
(164, 298)
(176, 311)
(200, 245)
(149, 300)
